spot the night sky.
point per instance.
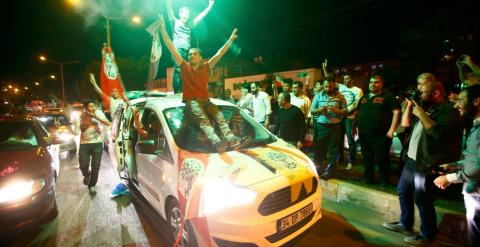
(344, 31)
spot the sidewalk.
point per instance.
(346, 186)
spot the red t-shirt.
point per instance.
(194, 81)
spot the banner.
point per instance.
(155, 52)
(109, 76)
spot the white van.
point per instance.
(265, 194)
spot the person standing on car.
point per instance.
(91, 143)
(195, 77)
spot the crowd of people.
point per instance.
(432, 127)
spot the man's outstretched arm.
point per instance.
(214, 60)
(168, 42)
(170, 14)
(325, 69)
(204, 13)
(95, 86)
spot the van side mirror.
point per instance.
(146, 146)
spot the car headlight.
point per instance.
(222, 194)
(20, 189)
(65, 136)
(43, 119)
(75, 115)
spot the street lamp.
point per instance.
(135, 19)
(43, 58)
(39, 81)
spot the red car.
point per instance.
(28, 170)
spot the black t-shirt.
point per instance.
(291, 124)
(375, 113)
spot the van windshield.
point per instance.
(189, 136)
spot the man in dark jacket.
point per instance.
(290, 125)
(435, 139)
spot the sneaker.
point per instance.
(119, 190)
(418, 240)
(86, 179)
(349, 166)
(236, 143)
(398, 227)
(221, 146)
(92, 190)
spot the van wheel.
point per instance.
(174, 220)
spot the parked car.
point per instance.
(61, 129)
(265, 193)
(28, 171)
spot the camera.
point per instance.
(410, 94)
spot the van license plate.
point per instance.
(289, 221)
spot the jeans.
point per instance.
(90, 158)
(201, 112)
(376, 149)
(417, 187)
(177, 78)
(326, 140)
(352, 148)
(472, 204)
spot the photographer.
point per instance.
(435, 138)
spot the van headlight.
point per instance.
(222, 194)
(20, 189)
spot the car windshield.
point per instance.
(17, 135)
(51, 121)
(190, 137)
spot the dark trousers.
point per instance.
(417, 187)
(90, 157)
(472, 204)
(326, 140)
(177, 78)
(376, 149)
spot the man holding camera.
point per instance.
(435, 139)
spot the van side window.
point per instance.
(151, 123)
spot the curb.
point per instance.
(452, 224)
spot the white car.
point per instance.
(263, 194)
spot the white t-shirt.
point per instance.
(261, 106)
(351, 95)
(302, 102)
(114, 103)
(413, 145)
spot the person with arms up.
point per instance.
(182, 35)
(195, 77)
(116, 99)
